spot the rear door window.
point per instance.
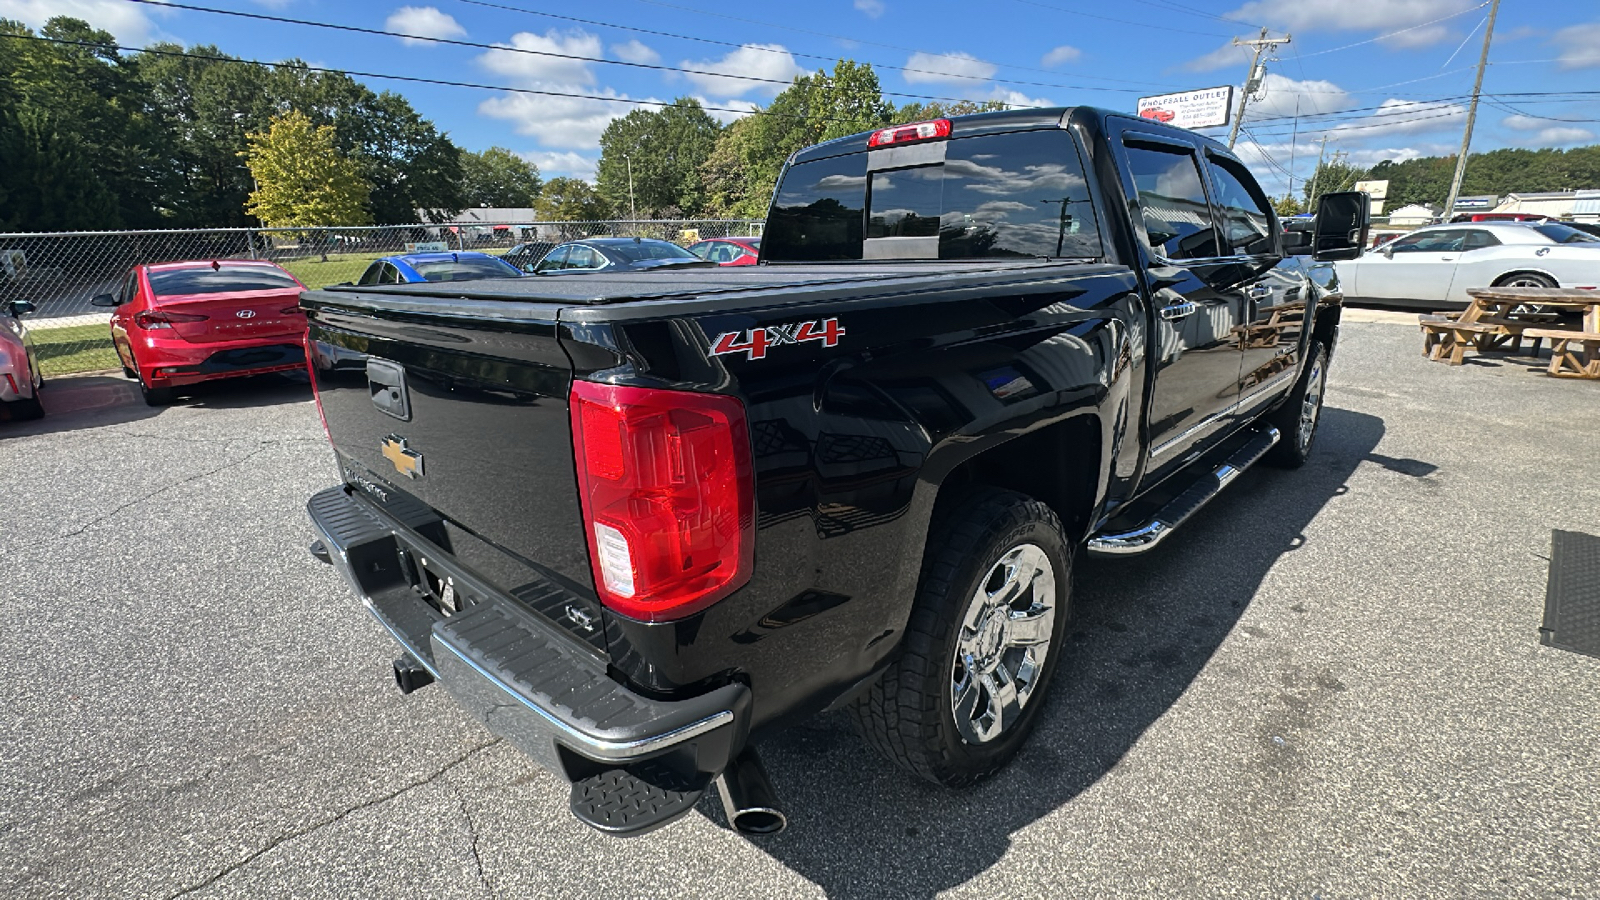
(818, 211)
(1172, 201)
(555, 259)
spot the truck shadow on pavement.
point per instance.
(1142, 631)
(94, 401)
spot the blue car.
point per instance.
(413, 268)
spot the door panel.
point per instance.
(1199, 308)
(1419, 268)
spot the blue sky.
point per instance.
(1384, 79)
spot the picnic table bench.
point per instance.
(1497, 319)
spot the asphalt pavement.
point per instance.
(1329, 685)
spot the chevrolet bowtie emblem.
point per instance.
(406, 461)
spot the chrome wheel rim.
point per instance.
(1004, 641)
(1311, 404)
(1526, 282)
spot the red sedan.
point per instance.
(733, 251)
(178, 324)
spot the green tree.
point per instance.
(497, 177)
(302, 178)
(570, 200)
(665, 149)
(1287, 206)
(742, 171)
(921, 112)
(1332, 175)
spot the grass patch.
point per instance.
(78, 348)
(314, 273)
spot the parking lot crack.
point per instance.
(472, 833)
(338, 817)
(74, 532)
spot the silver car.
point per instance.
(1432, 268)
(20, 378)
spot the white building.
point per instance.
(1414, 214)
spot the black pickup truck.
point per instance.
(636, 521)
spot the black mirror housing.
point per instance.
(103, 300)
(1343, 220)
(1297, 243)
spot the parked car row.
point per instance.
(20, 378)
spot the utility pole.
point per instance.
(1253, 78)
(1311, 198)
(1472, 115)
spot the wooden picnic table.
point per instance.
(1500, 318)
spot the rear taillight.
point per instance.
(316, 393)
(906, 134)
(151, 319)
(668, 502)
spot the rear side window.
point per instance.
(186, 282)
(1565, 234)
(818, 211)
(1172, 201)
(1003, 195)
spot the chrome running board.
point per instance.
(1180, 508)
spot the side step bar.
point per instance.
(1180, 508)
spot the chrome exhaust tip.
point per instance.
(748, 799)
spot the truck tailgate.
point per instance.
(456, 418)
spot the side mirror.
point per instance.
(1388, 252)
(1343, 220)
(103, 300)
(21, 307)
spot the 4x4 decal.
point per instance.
(755, 343)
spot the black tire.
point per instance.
(1525, 279)
(908, 714)
(155, 396)
(25, 410)
(1294, 440)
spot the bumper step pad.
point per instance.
(1572, 594)
(635, 800)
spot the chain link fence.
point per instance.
(61, 273)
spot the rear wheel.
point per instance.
(984, 637)
(153, 396)
(1298, 417)
(24, 410)
(1525, 280)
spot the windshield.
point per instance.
(1001, 195)
(650, 250)
(1566, 234)
(466, 268)
(187, 282)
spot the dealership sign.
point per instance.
(1190, 109)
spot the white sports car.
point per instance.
(1432, 267)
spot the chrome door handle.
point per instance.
(1177, 311)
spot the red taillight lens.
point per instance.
(161, 318)
(668, 500)
(905, 134)
(316, 393)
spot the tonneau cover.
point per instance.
(600, 288)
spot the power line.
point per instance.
(877, 65)
(415, 79)
(498, 48)
(1401, 31)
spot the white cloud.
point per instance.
(570, 122)
(1580, 45)
(872, 9)
(635, 52)
(275, 4)
(755, 60)
(947, 68)
(1523, 123)
(531, 67)
(129, 23)
(423, 21)
(562, 165)
(1404, 117)
(1282, 96)
(1356, 15)
(1564, 135)
(1220, 58)
(1018, 99)
(1062, 54)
